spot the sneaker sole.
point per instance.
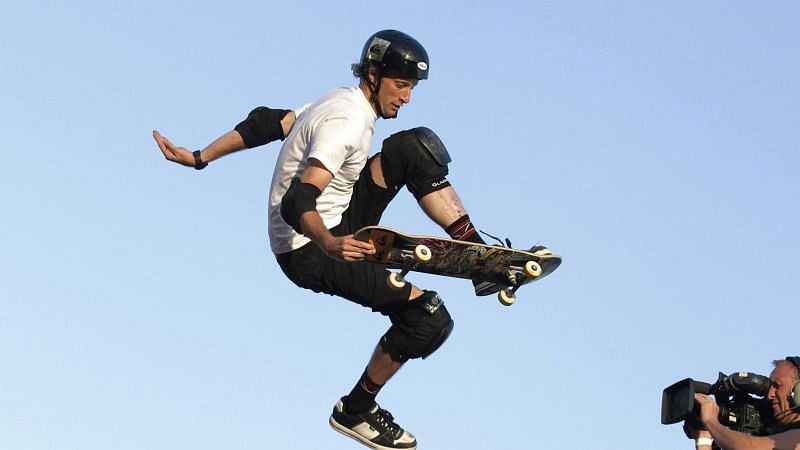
(488, 289)
(349, 433)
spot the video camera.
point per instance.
(738, 409)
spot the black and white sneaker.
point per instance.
(488, 288)
(375, 428)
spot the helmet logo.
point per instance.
(422, 65)
(377, 48)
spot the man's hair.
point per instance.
(361, 71)
(795, 369)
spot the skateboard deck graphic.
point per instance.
(509, 268)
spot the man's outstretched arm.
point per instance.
(262, 125)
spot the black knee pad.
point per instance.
(419, 329)
(416, 158)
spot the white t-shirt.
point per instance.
(337, 131)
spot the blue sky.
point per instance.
(654, 146)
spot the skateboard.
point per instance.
(505, 266)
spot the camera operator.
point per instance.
(783, 396)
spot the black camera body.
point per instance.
(739, 410)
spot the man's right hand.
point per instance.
(173, 153)
(345, 248)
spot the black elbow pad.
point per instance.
(300, 198)
(262, 126)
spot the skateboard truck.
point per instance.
(516, 275)
(420, 254)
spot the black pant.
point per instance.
(361, 282)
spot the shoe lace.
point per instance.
(385, 419)
(507, 242)
(502, 244)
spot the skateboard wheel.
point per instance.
(395, 281)
(506, 297)
(533, 269)
(422, 253)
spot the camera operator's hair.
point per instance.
(795, 368)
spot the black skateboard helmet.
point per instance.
(395, 54)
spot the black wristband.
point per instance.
(198, 163)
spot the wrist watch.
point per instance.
(198, 162)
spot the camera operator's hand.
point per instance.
(709, 410)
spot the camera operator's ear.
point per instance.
(794, 394)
